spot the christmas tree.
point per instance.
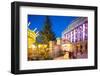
(47, 34)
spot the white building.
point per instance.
(77, 33)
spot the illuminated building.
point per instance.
(77, 33)
(58, 41)
(51, 46)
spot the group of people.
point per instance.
(78, 54)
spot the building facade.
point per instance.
(77, 33)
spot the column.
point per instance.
(71, 36)
(83, 32)
(74, 35)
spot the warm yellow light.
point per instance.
(33, 46)
(67, 47)
(31, 37)
(66, 56)
(42, 46)
(39, 45)
(45, 46)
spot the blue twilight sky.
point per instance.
(58, 23)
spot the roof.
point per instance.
(75, 23)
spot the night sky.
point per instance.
(59, 23)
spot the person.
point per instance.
(81, 54)
(74, 55)
(84, 54)
(78, 54)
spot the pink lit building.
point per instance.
(77, 33)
